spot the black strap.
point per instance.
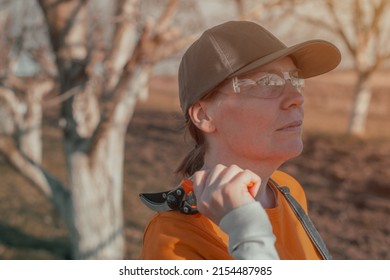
(305, 221)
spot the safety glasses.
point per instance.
(268, 85)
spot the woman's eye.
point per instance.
(265, 81)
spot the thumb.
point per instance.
(253, 187)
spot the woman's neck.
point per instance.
(262, 168)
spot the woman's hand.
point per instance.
(222, 189)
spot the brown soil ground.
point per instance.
(346, 179)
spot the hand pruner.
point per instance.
(181, 198)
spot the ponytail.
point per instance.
(195, 158)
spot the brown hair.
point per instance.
(195, 158)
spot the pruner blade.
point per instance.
(155, 201)
(181, 198)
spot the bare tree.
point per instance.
(20, 97)
(363, 27)
(99, 82)
(96, 110)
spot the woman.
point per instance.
(240, 90)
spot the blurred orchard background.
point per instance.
(89, 118)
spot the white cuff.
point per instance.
(250, 233)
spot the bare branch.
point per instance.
(47, 65)
(377, 35)
(166, 17)
(260, 8)
(11, 111)
(146, 52)
(62, 98)
(39, 86)
(123, 42)
(118, 95)
(65, 20)
(172, 48)
(318, 23)
(240, 7)
(51, 187)
(338, 28)
(358, 22)
(157, 35)
(377, 16)
(5, 44)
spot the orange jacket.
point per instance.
(172, 235)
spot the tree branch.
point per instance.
(59, 29)
(338, 28)
(123, 42)
(163, 23)
(358, 22)
(117, 96)
(377, 16)
(138, 66)
(51, 187)
(173, 47)
(378, 34)
(318, 23)
(260, 8)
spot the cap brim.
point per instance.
(312, 58)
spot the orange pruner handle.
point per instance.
(187, 185)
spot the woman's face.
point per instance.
(248, 127)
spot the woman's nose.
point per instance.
(291, 97)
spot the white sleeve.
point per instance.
(250, 233)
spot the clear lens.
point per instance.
(298, 83)
(268, 85)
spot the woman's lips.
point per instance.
(292, 126)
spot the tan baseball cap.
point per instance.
(236, 47)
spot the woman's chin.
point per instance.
(292, 149)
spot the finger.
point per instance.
(199, 179)
(248, 182)
(230, 173)
(215, 175)
(222, 175)
(254, 187)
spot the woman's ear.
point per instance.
(200, 117)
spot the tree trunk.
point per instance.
(362, 98)
(97, 222)
(94, 137)
(94, 214)
(95, 174)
